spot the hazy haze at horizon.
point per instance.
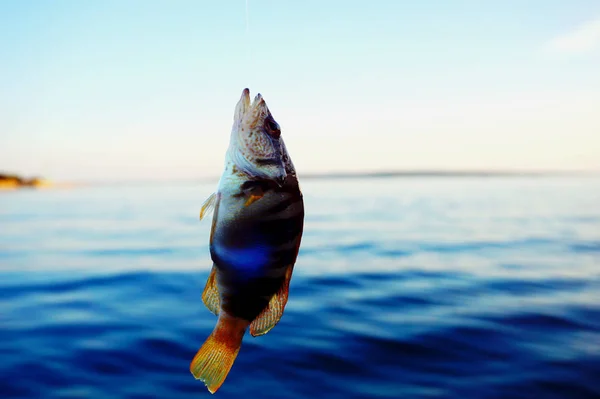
(140, 90)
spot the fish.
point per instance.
(257, 225)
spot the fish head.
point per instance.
(256, 146)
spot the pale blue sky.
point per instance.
(98, 90)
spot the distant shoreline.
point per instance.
(441, 173)
(12, 182)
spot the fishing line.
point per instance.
(248, 49)
(247, 21)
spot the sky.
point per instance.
(142, 89)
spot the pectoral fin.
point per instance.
(208, 205)
(210, 296)
(270, 316)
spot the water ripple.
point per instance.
(439, 289)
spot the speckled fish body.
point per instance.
(255, 237)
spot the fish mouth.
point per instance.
(246, 98)
(251, 114)
(244, 105)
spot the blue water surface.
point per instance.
(404, 288)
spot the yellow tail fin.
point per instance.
(215, 358)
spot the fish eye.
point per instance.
(272, 128)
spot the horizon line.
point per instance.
(416, 173)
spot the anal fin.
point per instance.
(210, 296)
(271, 315)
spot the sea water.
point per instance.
(453, 287)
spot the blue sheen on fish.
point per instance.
(257, 226)
(244, 260)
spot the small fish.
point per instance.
(258, 218)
